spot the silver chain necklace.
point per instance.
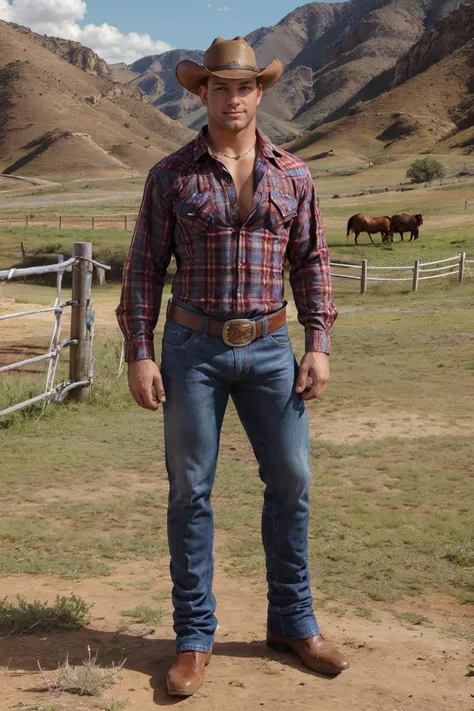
(236, 157)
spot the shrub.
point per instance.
(67, 613)
(425, 170)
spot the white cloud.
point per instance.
(223, 9)
(61, 19)
(208, 5)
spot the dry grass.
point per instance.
(86, 679)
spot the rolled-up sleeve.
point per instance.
(145, 271)
(310, 276)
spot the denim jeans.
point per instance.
(199, 374)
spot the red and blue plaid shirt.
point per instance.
(229, 270)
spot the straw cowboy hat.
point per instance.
(228, 59)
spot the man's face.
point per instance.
(231, 103)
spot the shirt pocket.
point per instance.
(283, 208)
(194, 213)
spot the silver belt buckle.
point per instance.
(239, 332)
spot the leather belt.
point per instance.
(236, 332)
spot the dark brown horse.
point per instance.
(407, 223)
(364, 223)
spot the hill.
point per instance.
(432, 111)
(55, 93)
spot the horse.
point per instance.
(407, 223)
(364, 223)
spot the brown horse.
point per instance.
(364, 223)
(407, 223)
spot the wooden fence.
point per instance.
(80, 340)
(93, 222)
(453, 266)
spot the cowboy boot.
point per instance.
(186, 674)
(315, 652)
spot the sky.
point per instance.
(125, 31)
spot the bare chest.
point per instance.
(242, 173)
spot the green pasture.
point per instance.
(85, 486)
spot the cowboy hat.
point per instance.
(227, 59)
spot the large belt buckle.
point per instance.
(239, 332)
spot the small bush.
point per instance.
(29, 617)
(425, 170)
(86, 679)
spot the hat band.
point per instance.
(233, 65)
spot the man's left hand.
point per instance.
(316, 367)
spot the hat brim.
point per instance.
(191, 74)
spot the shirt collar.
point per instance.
(267, 148)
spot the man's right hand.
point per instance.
(143, 377)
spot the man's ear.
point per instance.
(203, 94)
(259, 93)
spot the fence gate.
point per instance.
(81, 335)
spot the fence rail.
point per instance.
(82, 318)
(125, 221)
(456, 266)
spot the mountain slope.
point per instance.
(364, 43)
(47, 102)
(431, 112)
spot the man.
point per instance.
(231, 208)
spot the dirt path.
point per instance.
(392, 666)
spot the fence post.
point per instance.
(363, 277)
(26, 221)
(23, 253)
(126, 223)
(416, 273)
(80, 362)
(462, 265)
(60, 222)
(93, 222)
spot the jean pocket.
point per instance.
(280, 337)
(179, 337)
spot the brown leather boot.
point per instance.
(315, 652)
(186, 674)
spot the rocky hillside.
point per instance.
(353, 59)
(450, 34)
(73, 52)
(70, 117)
(430, 107)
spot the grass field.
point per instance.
(84, 488)
(391, 517)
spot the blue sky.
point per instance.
(189, 23)
(125, 31)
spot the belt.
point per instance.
(236, 332)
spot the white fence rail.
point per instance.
(452, 266)
(81, 325)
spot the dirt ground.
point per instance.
(392, 665)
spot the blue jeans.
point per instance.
(199, 374)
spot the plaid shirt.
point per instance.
(190, 210)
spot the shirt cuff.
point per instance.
(140, 349)
(316, 341)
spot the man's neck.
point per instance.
(231, 142)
